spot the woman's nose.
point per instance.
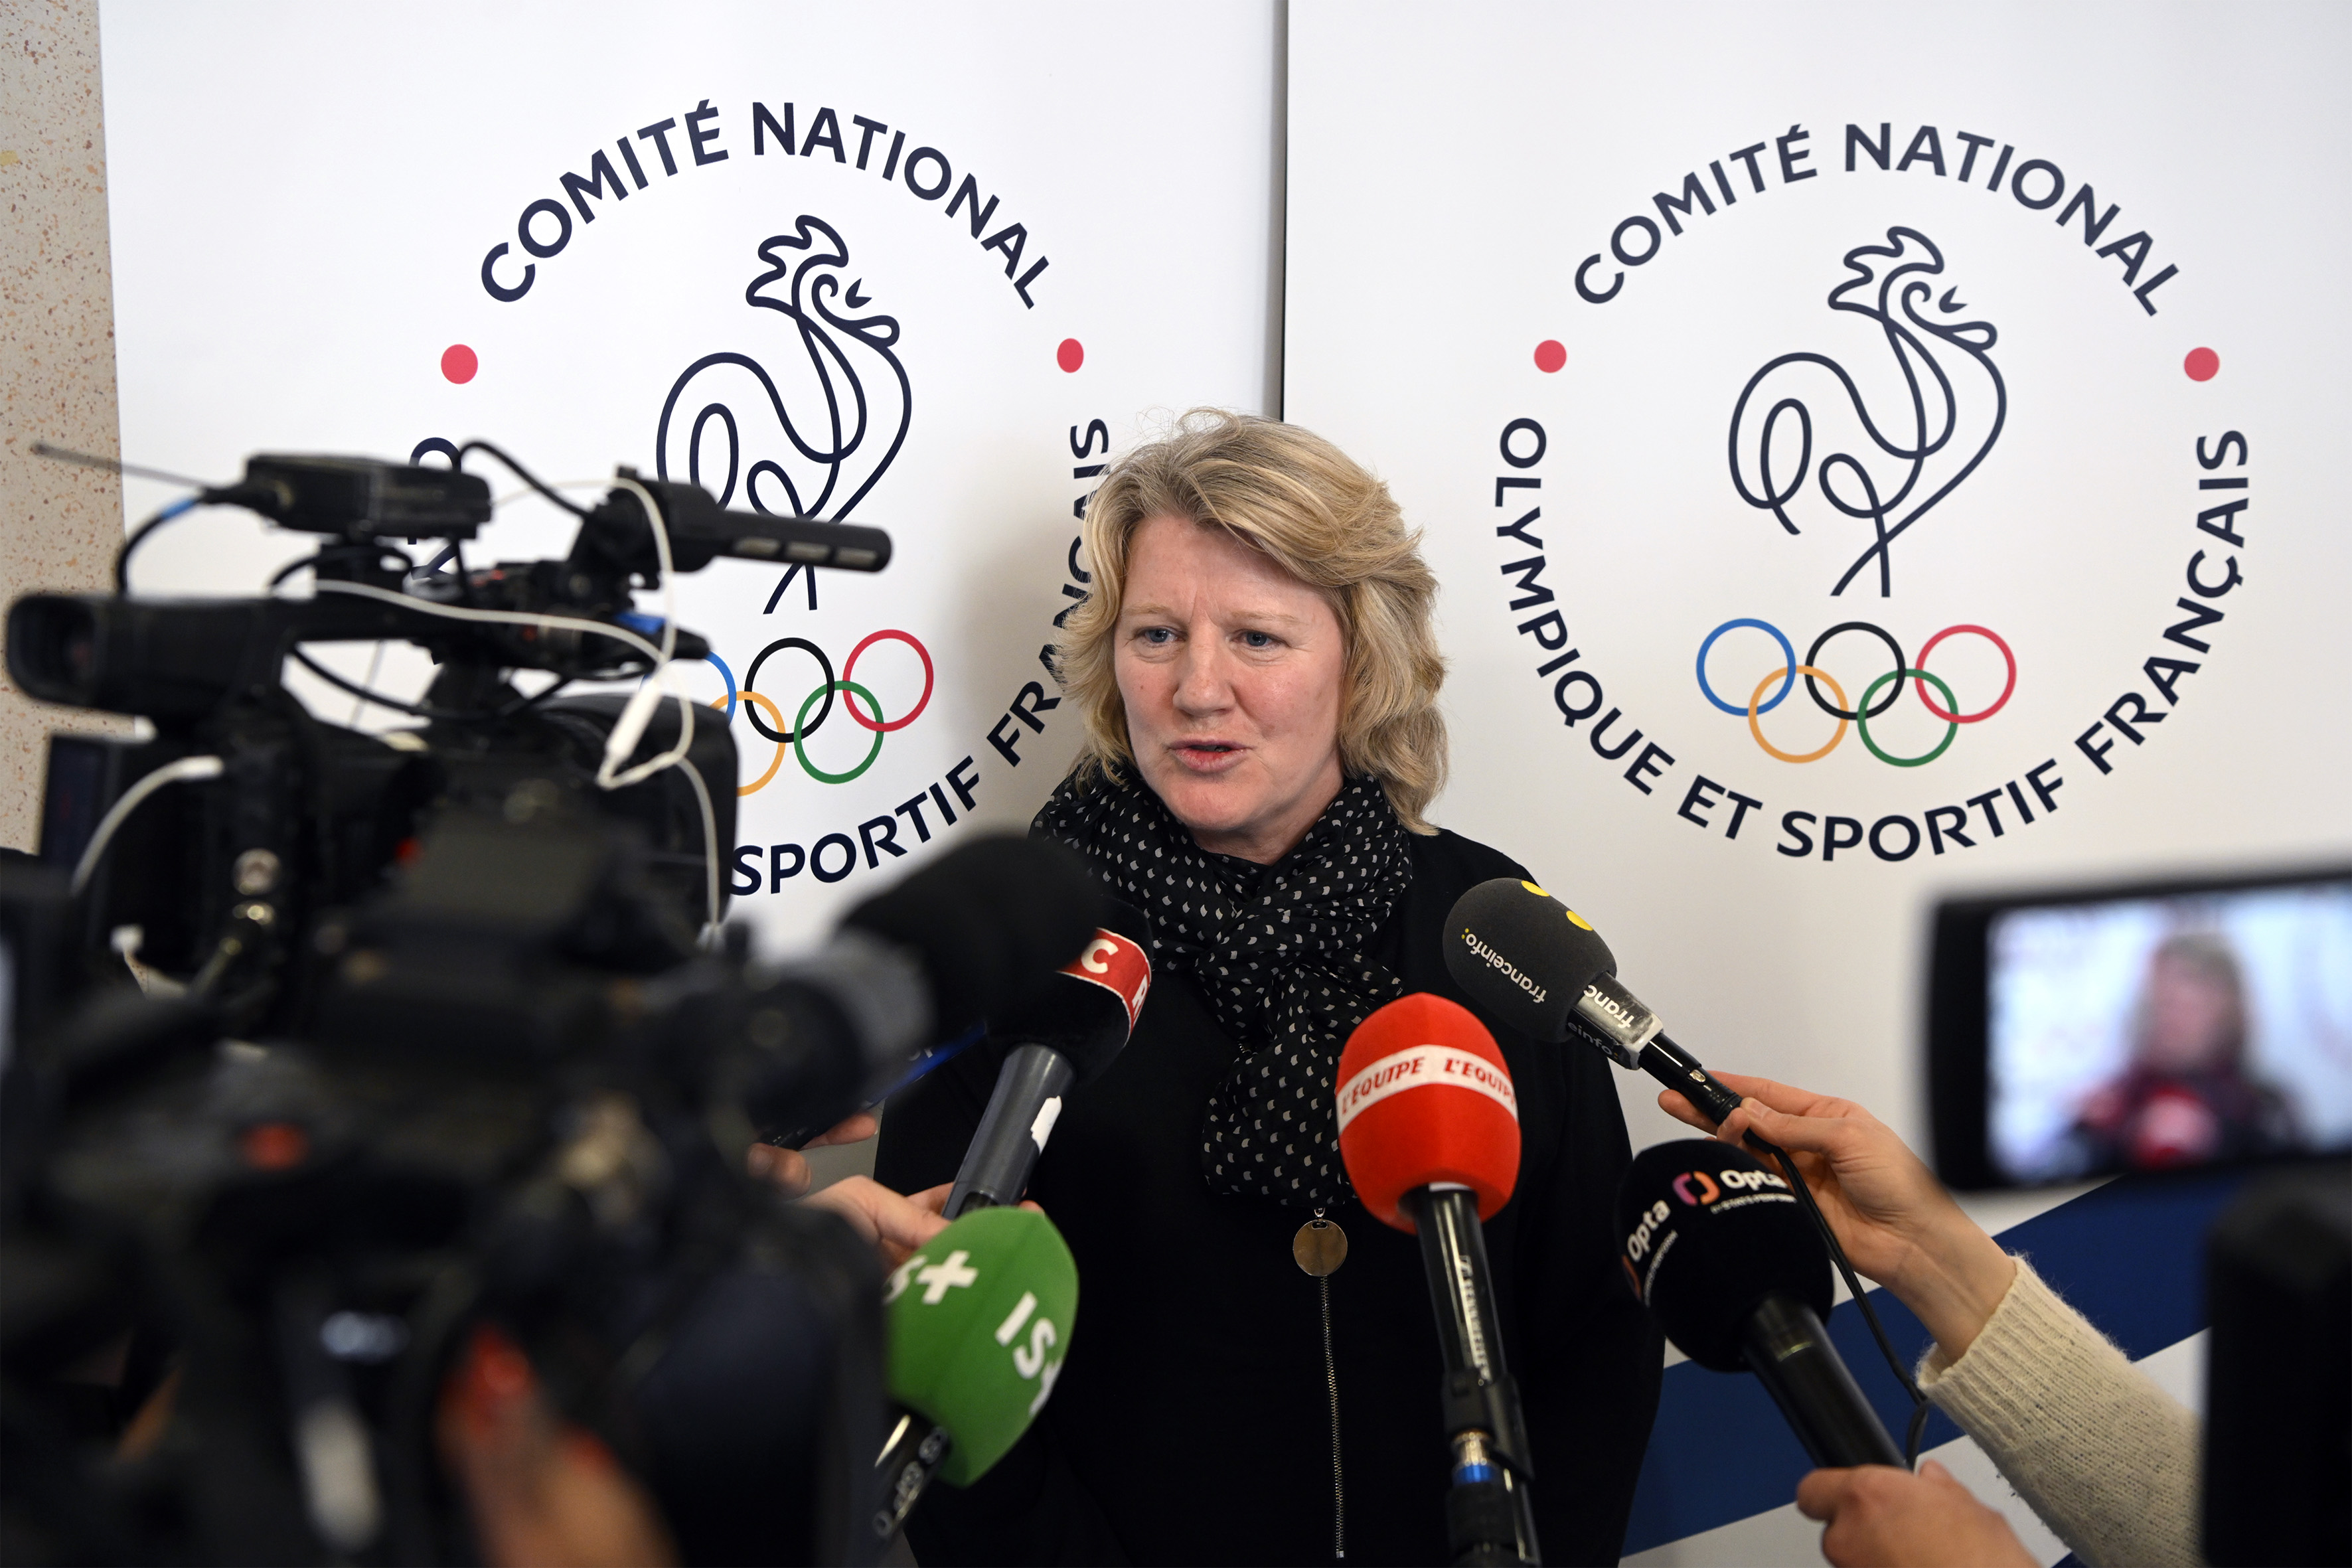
(1201, 686)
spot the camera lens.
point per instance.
(53, 647)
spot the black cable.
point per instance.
(525, 475)
(465, 580)
(1877, 1330)
(442, 715)
(339, 553)
(139, 536)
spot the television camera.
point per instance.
(435, 1029)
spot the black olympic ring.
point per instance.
(1814, 657)
(792, 737)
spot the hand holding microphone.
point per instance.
(1892, 1216)
(1429, 1127)
(1538, 963)
(1877, 1517)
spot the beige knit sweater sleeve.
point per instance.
(2107, 1459)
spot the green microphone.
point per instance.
(980, 1324)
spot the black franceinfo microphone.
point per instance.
(1060, 1033)
(1723, 1257)
(1540, 966)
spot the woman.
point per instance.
(2186, 1098)
(2105, 1456)
(1258, 681)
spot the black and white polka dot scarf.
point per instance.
(1277, 954)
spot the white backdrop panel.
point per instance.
(303, 200)
(1449, 172)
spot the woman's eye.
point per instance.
(1257, 639)
(1155, 636)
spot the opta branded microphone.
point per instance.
(980, 1324)
(833, 1029)
(1720, 1251)
(1429, 1127)
(1061, 1033)
(1539, 964)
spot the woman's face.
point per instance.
(2189, 1016)
(1231, 672)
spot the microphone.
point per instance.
(1063, 1033)
(1429, 1128)
(1720, 1252)
(979, 1322)
(987, 919)
(1540, 965)
(967, 934)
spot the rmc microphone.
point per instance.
(1720, 1251)
(1062, 1033)
(980, 1324)
(1540, 965)
(1429, 1127)
(965, 935)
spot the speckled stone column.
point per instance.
(60, 525)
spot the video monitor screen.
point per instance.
(2157, 1033)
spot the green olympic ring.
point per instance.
(826, 690)
(1862, 721)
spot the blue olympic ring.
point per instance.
(721, 664)
(1788, 662)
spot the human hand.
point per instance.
(1880, 1517)
(1894, 1220)
(540, 1490)
(789, 1171)
(895, 1225)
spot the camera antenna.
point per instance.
(112, 465)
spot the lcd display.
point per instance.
(2156, 1033)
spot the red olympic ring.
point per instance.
(1921, 663)
(876, 723)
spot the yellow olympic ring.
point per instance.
(778, 760)
(1757, 730)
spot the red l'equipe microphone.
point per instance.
(1429, 1127)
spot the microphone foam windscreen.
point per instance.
(1523, 954)
(988, 919)
(1706, 1232)
(1086, 1008)
(979, 1322)
(1423, 1097)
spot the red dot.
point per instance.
(458, 363)
(1071, 355)
(2203, 364)
(1550, 355)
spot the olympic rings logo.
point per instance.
(1871, 705)
(793, 738)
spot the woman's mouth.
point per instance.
(1207, 756)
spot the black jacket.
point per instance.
(1191, 1424)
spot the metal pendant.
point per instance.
(1320, 1247)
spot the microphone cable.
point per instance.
(1919, 1406)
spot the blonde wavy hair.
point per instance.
(1299, 500)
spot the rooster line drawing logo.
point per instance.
(1858, 429)
(847, 436)
(1889, 469)
(1954, 389)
